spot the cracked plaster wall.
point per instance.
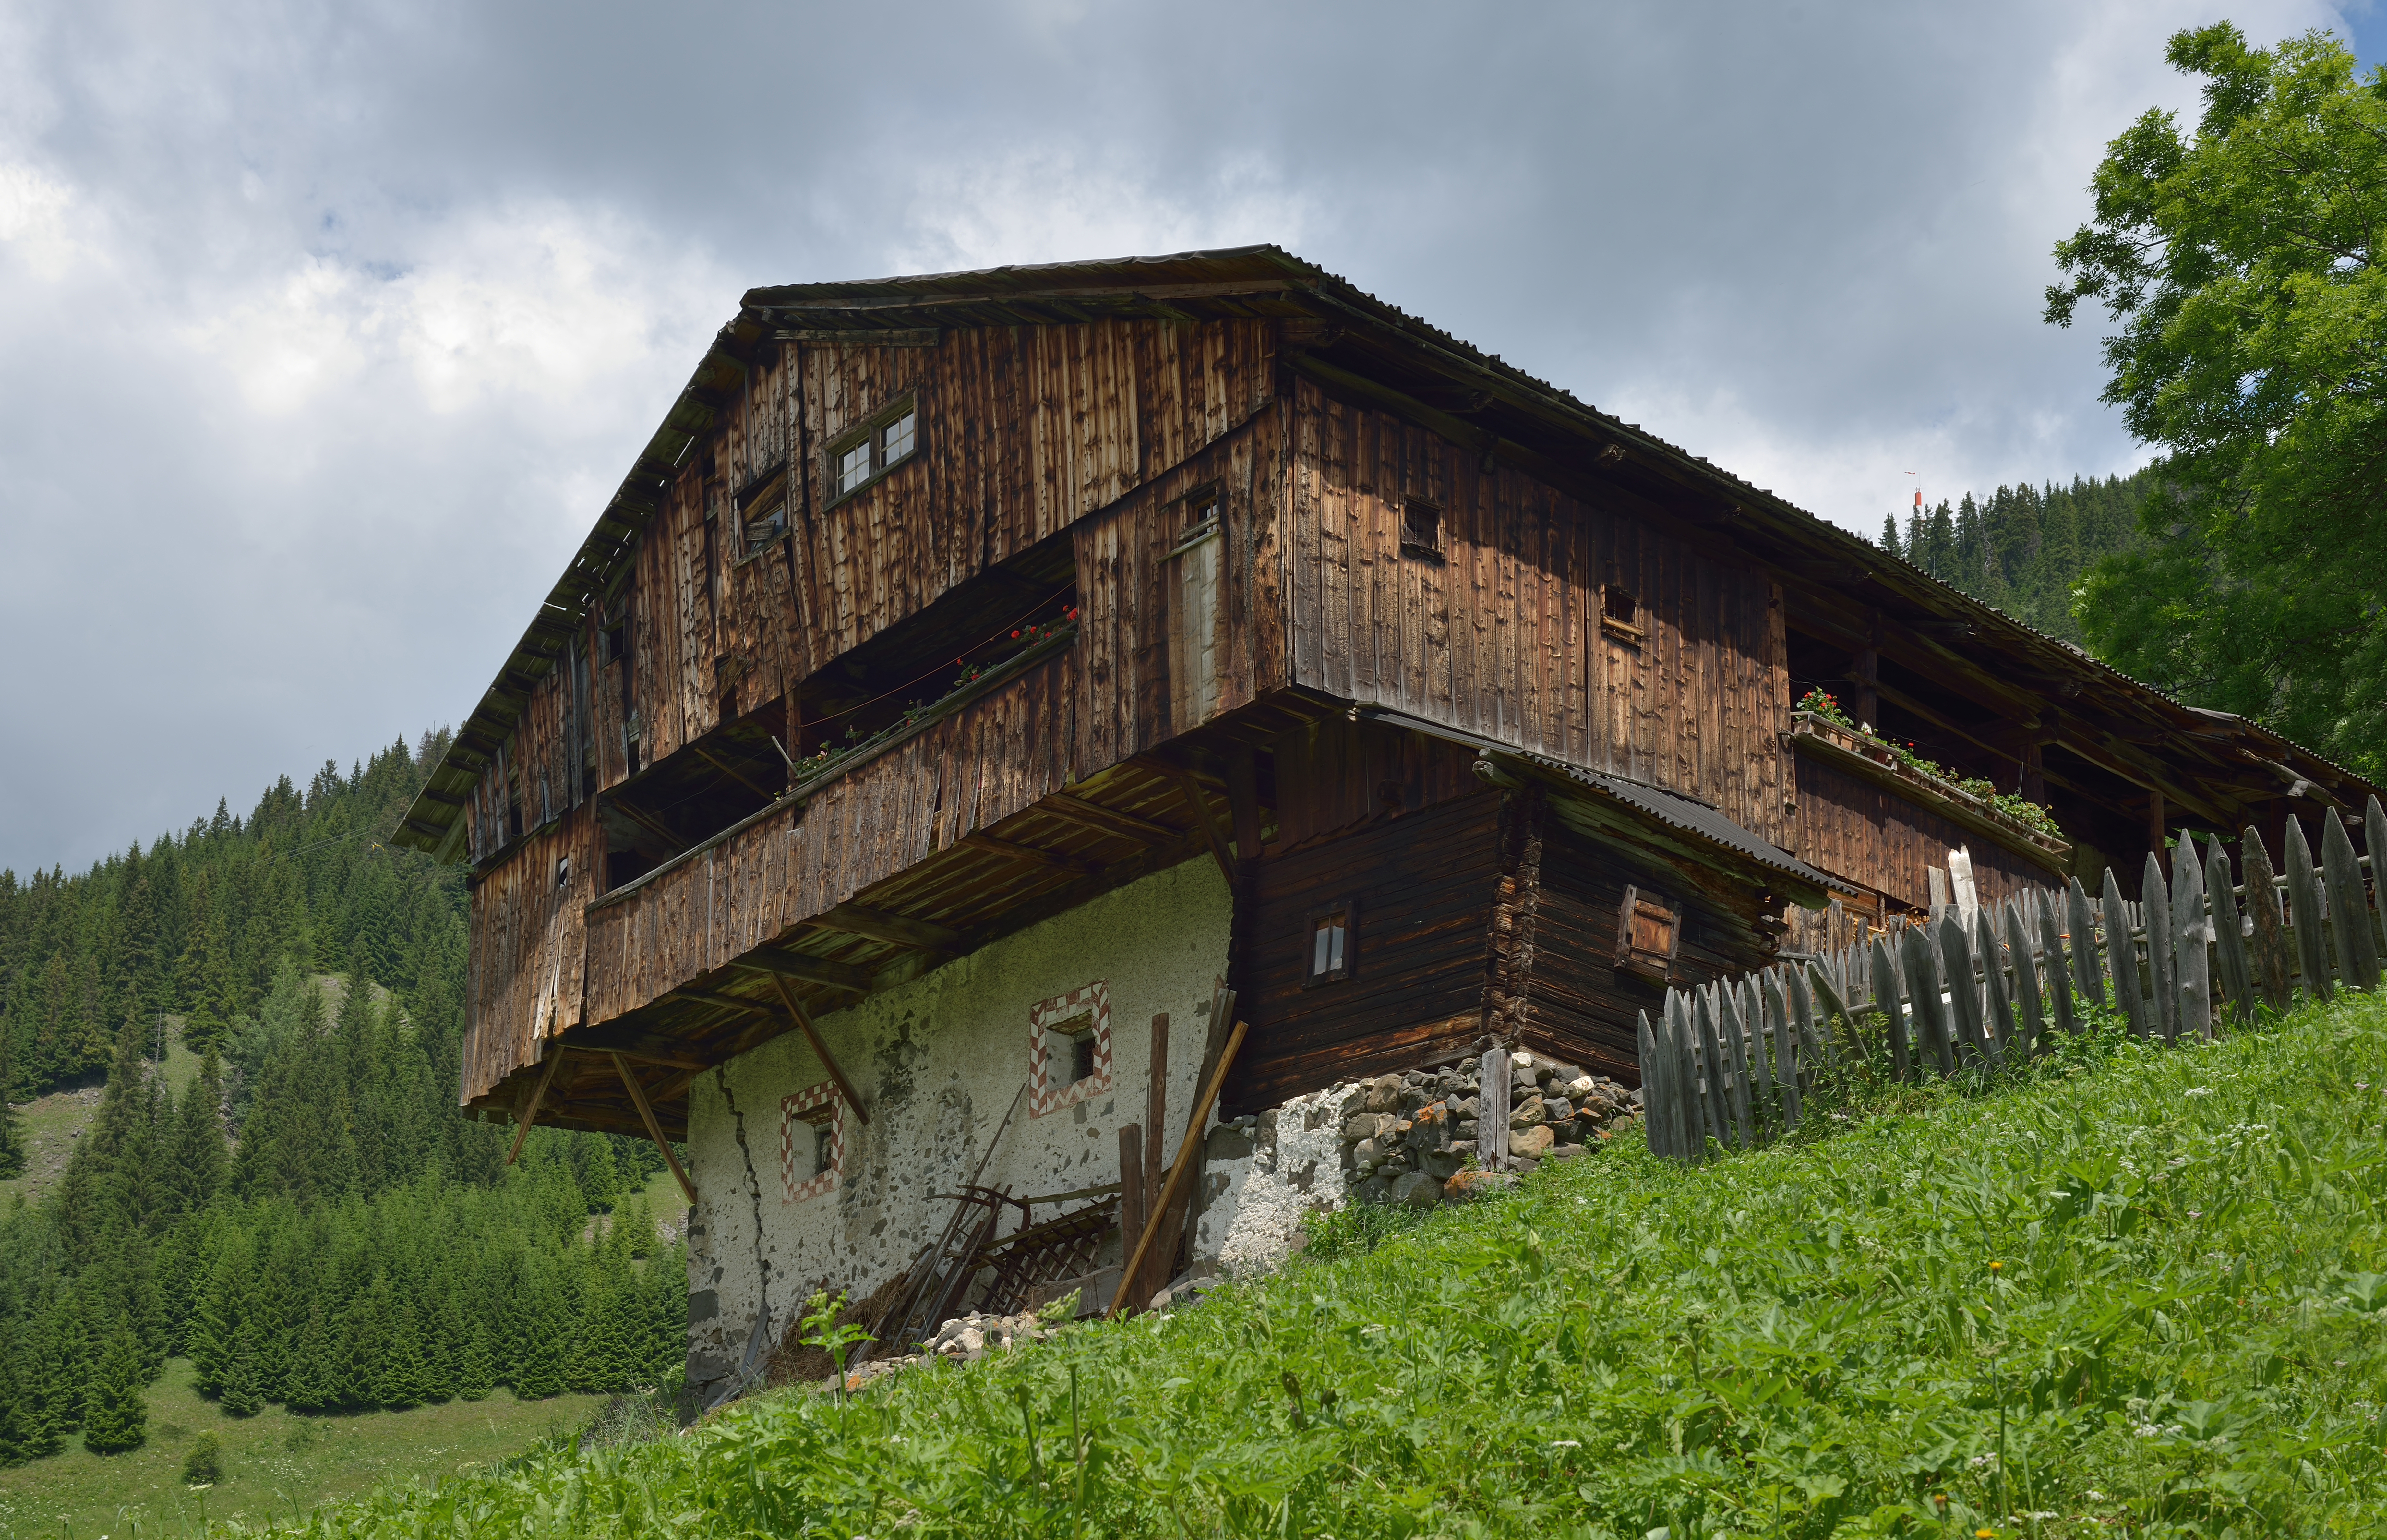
(938, 1061)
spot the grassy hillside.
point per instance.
(273, 1463)
(2141, 1292)
(51, 1124)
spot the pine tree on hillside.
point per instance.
(243, 1393)
(200, 1160)
(116, 1415)
(12, 1139)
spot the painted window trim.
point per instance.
(791, 1113)
(864, 432)
(1045, 1096)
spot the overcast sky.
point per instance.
(326, 331)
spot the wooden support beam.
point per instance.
(829, 1060)
(895, 929)
(654, 1130)
(809, 969)
(727, 1002)
(1177, 1173)
(647, 821)
(995, 845)
(1204, 820)
(530, 1108)
(1864, 670)
(731, 771)
(1243, 799)
(1093, 816)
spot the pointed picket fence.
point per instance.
(1729, 1064)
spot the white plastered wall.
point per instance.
(938, 1062)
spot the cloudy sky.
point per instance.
(325, 330)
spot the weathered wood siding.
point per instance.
(1334, 773)
(1502, 637)
(987, 761)
(1868, 834)
(1419, 952)
(1023, 432)
(1137, 590)
(529, 935)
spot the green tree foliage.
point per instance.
(2241, 264)
(2026, 549)
(115, 1417)
(312, 1221)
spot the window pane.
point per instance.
(1334, 947)
(853, 467)
(823, 1149)
(1318, 944)
(896, 437)
(1081, 1058)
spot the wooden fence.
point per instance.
(1733, 1062)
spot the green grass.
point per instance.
(273, 1463)
(50, 1123)
(2140, 1296)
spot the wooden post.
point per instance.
(2191, 967)
(2032, 1013)
(2085, 976)
(811, 1035)
(1131, 1189)
(1177, 1172)
(654, 1130)
(2034, 775)
(2059, 974)
(1204, 819)
(1886, 994)
(2154, 829)
(2237, 974)
(2122, 958)
(2163, 977)
(2270, 959)
(1492, 1110)
(1156, 1113)
(2349, 916)
(539, 1094)
(2305, 905)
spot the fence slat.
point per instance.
(2059, 974)
(1890, 998)
(2304, 912)
(1690, 1125)
(2121, 957)
(1785, 1057)
(1919, 962)
(1802, 1006)
(1653, 1090)
(2163, 989)
(2229, 936)
(1735, 1028)
(2272, 961)
(2374, 840)
(1963, 992)
(2191, 966)
(2030, 1012)
(1999, 1017)
(1763, 1090)
(1712, 1052)
(2084, 943)
(2349, 916)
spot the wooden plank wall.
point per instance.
(1418, 964)
(529, 939)
(1024, 431)
(1868, 834)
(1502, 638)
(1127, 586)
(1335, 773)
(987, 761)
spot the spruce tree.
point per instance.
(116, 1415)
(200, 1160)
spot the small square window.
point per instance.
(853, 467)
(824, 1146)
(1421, 528)
(1073, 1049)
(1331, 943)
(895, 439)
(1620, 613)
(812, 1142)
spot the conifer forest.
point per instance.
(2025, 549)
(312, 1221)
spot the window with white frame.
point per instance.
(862, 456)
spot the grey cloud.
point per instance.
(326, 328)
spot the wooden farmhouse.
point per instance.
(977, 673)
